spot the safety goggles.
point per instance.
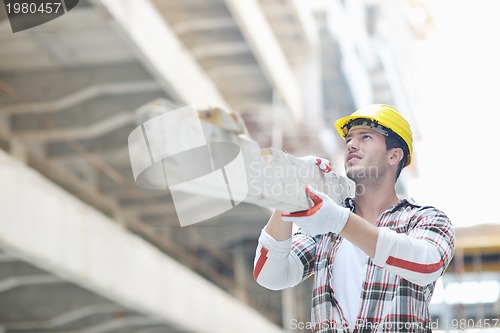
(364, 123)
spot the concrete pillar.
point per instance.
(289, 308)
(242, 271)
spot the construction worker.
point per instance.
(376, 260)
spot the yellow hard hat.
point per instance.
(380, 114)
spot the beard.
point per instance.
(361, 174)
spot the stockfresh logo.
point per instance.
(24, 14)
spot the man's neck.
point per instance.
(371, 201)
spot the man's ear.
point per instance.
(395, 156)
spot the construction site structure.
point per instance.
(83, 248)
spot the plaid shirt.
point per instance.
(389, 302)
(414, 247)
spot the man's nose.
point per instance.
(351, 145)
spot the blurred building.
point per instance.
(82, 248)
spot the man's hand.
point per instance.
(324, 216)
(323, 164)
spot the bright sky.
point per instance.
(459, 90)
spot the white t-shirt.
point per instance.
(347, 277)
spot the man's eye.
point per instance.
(366, 136)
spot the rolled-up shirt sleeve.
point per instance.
(283, 264)
(422, 253)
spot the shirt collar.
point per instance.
(351, 204)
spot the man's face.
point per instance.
(366, 154)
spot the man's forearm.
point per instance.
(412, 256)
(275, 267)
(361, 233)
(277, 228)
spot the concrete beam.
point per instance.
(66, 318)
(31, 85)
(82, 245)
(161, 50)
(17, 281)
(117, 157)
(298, 18)
(115, 324)
(91, 131)
(81, 96)
(223, 71)
(165, 208)
(202, 24)
(220, 49)
(266, 48)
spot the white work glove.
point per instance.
(323, 164)
(323, 217)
